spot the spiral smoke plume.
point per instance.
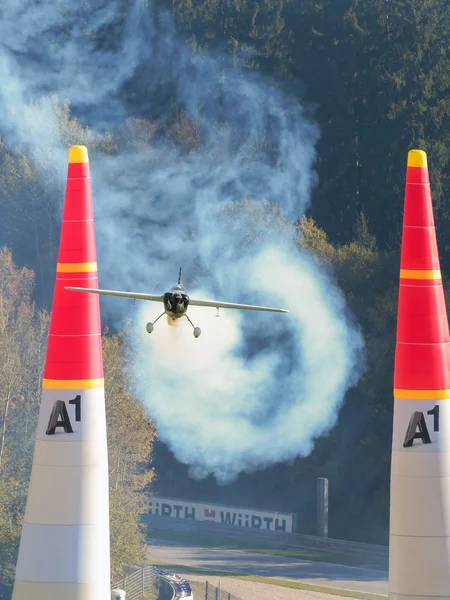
(256, 388)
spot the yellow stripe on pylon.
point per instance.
(88, 267)
(72, 384)
(422, 394)
(420, 274)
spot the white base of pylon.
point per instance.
(58, 591)
(419, 541)
(64, 549)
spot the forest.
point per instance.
(373, 75)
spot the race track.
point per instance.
(246, 563)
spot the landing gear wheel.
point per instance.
(149, 327)
(197, 332)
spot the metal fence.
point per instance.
(141, 583)
(203, 590)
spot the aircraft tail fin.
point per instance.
(179, 277)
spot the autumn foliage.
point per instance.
(23, 339)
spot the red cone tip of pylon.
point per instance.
(419, 258)
(421, 360)
(74, 353)
(417, 167)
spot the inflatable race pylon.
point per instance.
(419, 540)
(64, 549)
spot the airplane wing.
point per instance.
(134, 295)
(213, 304)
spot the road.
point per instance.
(264, 565)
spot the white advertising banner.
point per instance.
(265, 520)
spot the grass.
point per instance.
(341, 559)
(375, 562)
(186, 570)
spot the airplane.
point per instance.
(176, 302)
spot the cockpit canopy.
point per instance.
(177, 288)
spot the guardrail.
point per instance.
(179, 587)
(268, 539)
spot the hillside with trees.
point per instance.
(374, 75)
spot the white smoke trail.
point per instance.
(222, 412)
(256, 388)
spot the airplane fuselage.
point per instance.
(176, 302)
